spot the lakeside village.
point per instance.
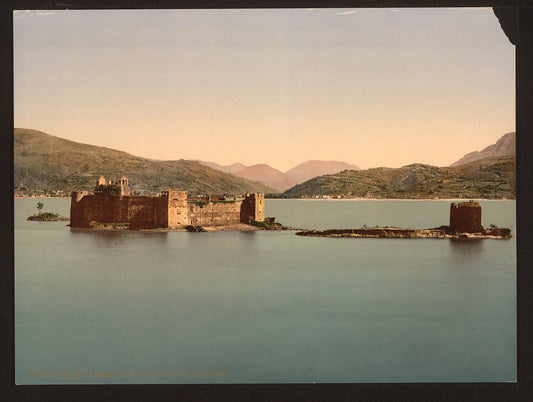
(111, 206)
(22, 192)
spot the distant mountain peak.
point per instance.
(267, 175)
(505, 146)
(234, 167)
(313, 168)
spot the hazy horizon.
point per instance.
(370, 87)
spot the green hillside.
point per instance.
(484, 178)
(47, 164)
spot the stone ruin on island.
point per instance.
(112, 203)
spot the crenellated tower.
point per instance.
(253, 208)
(465, 217)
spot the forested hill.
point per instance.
(484, 178)
(45, 164)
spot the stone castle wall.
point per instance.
(215, 213)
(147, 212)
(138, 211)
(465, 217)
(171, 209)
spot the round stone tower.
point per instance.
(465, 217)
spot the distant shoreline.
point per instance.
(338, 199)
(37, 196)
(398, 199)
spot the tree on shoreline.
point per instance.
(40, 206)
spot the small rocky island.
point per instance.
(465, 223)
(46, 216)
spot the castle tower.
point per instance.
(76, 196)
(77, 214)
(124, 186)
(465, 217)
(253, 208)
(177, 208)
(101, 181)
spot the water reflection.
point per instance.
(113, 238)
(466, 247)
(248, 235)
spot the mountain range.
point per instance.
(282, 181)
(492, 177)
(44, 164)
(489, 173)
(52, 164)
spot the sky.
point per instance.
(372, 87)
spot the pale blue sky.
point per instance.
(375, 87)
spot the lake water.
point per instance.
(265, 307)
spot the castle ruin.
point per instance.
(112, 202)
(465, 217)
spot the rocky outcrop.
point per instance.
(442, 232)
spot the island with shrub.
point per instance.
(46, 216)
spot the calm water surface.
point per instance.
(265, 307)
